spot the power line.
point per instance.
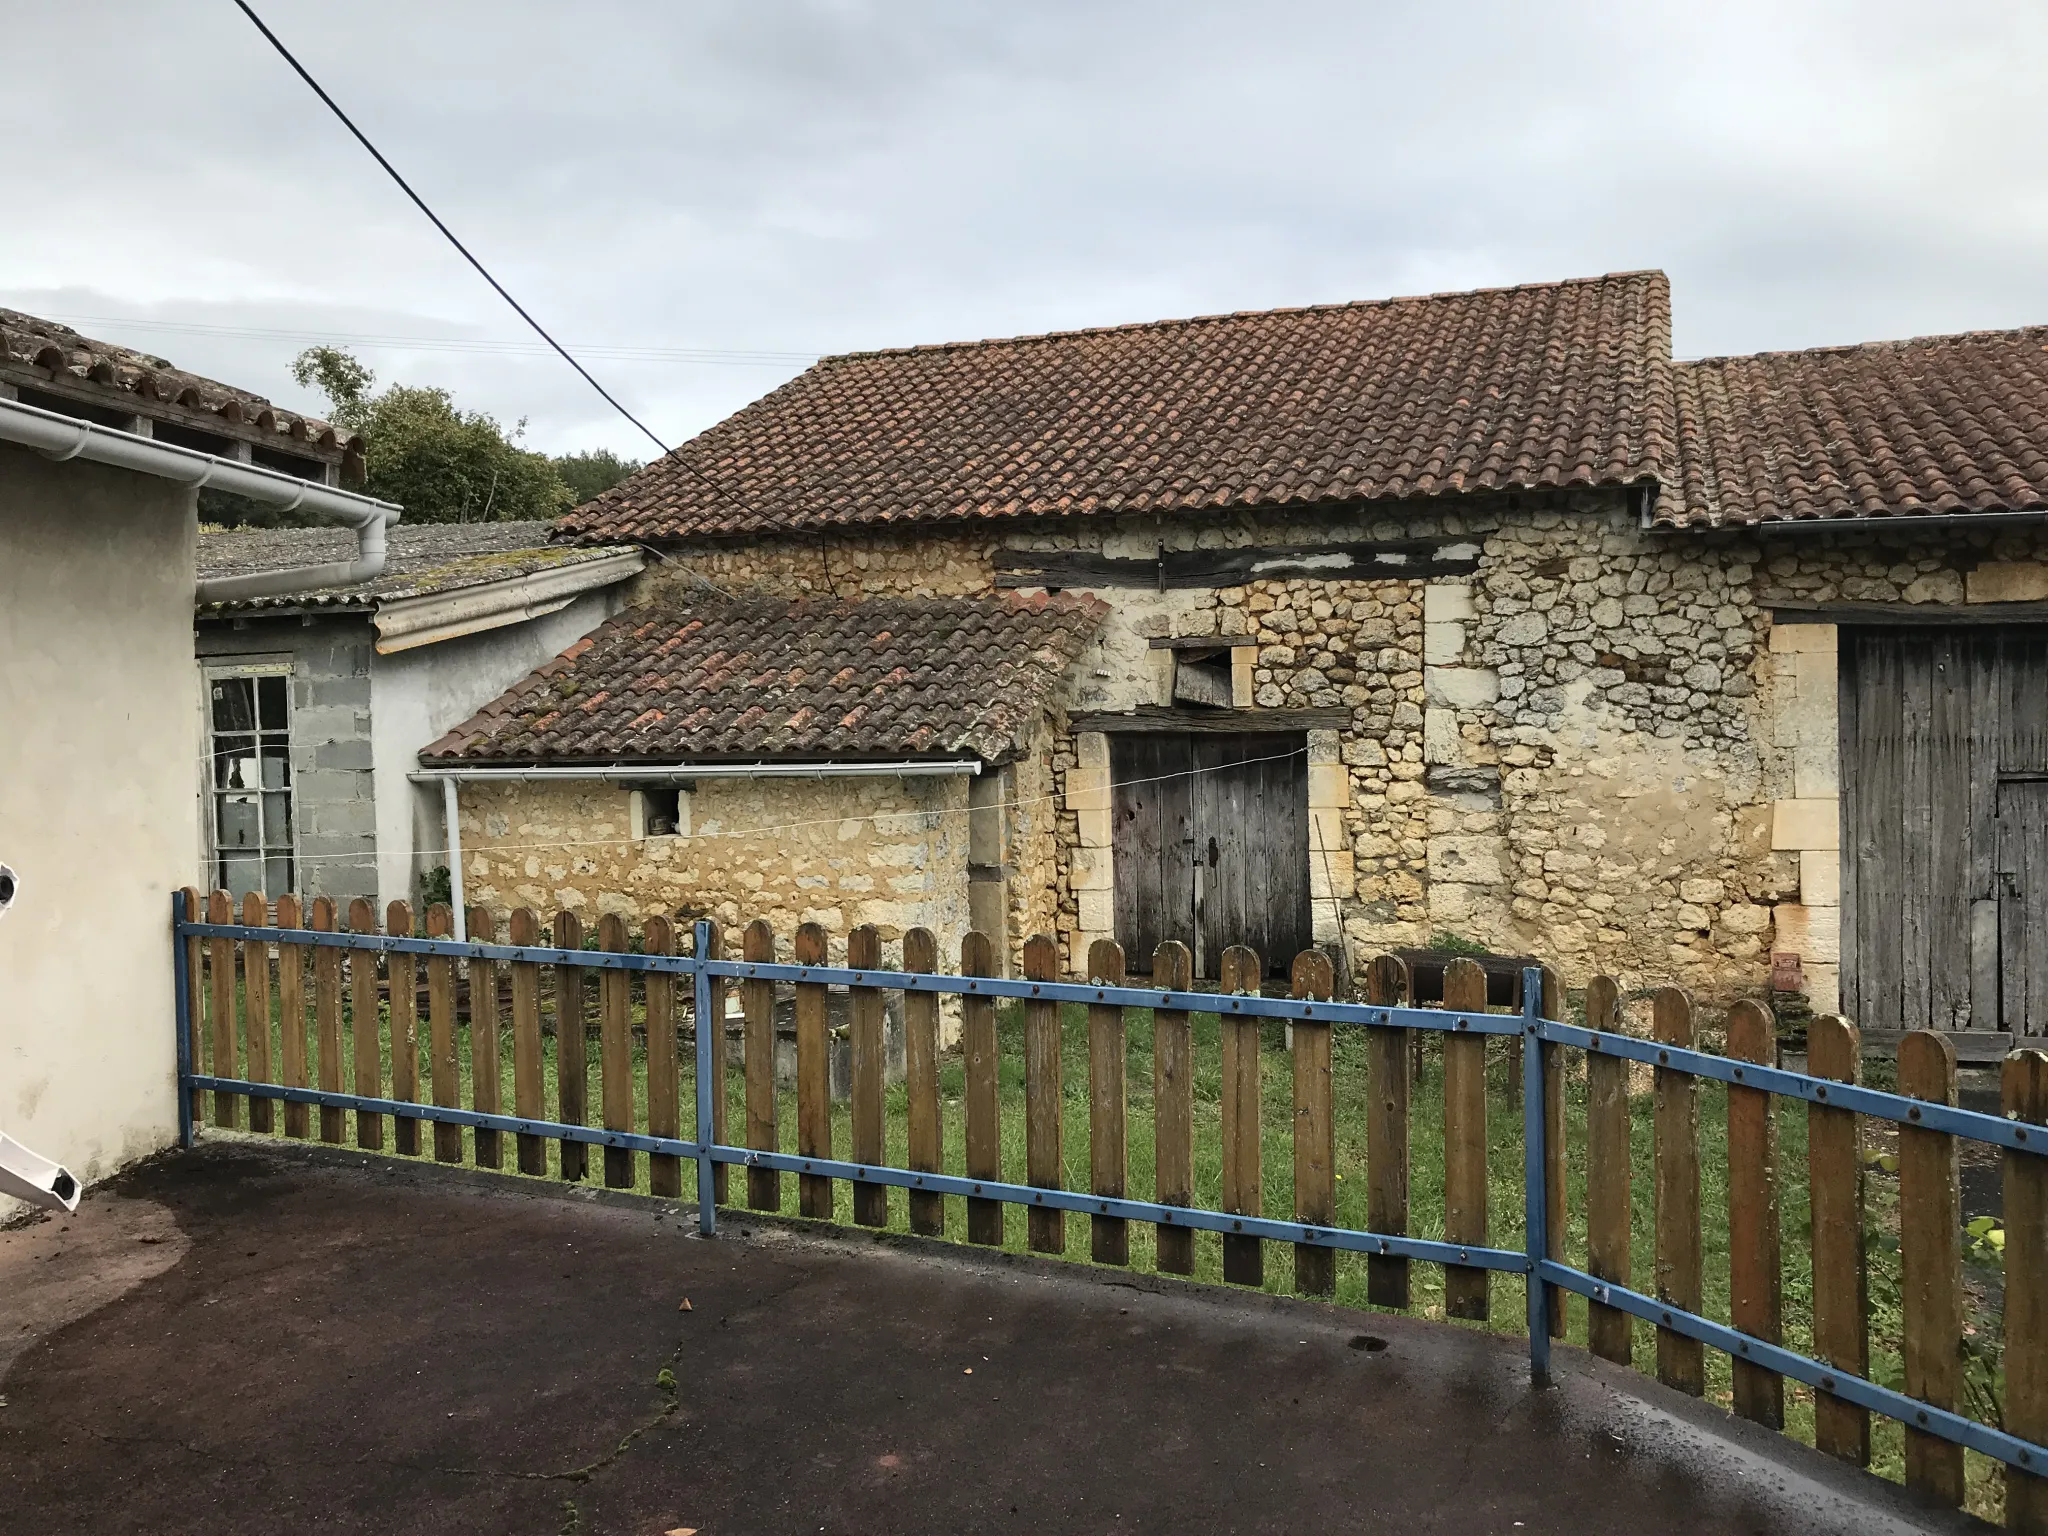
(434, 218)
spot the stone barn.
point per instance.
(1474, 614)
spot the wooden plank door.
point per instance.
(1251, 848)
(2023, 904)
(1153, 840)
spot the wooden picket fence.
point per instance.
(384, 989)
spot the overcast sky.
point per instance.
(776, 180)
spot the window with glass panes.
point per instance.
(252, 782)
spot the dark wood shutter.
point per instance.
(2023, 904)
(1935, 724)
(1211, 845)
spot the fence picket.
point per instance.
(1173, 1108)
(441, 1064)
(1550, 1003)
(615, 1050)
(1931, 1263)
(1681, 1362)
(865, 1018)
(1467, 1291)
(327, 1019)
(529, 1081)
(1044, 1098)
(256, 1005)
(195, 1002)
(921, 1082)
(1841, 1331)
(664, 1068)
(1609, 1330)
(1109, 1237)
(1755, 1280)
(1315, 1128)
(486, 1079)
(402, 977)
(764, 1185)
(2025, 1097)
(365, 1017)
(572, 1049)
(813, 1078)
(221, 960)
(1244, 1258)
(721, 1056)
(984, 1104)
(291, 1018)
(1389, 1066)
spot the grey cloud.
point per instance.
(815, 176)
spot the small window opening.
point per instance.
(661, 810)
(1202, 677)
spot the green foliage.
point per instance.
(437, 884)
(441, 463)
(1457, 944)
(224, 509)
(593, 473)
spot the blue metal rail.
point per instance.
(1539, 1273)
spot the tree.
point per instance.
(441, 463)
(593, 473)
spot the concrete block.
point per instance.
(1816, 769)
(1331, 875)
(1797, 825)
(1812, 933)
(1329, 786)
(1802, 637)
(1820, 878)
(1097, 909)
(353, 753)
(1461, 687)
(1446, 603)
(2000, 581)
(1441, 742)
(1443, 645)
(330, 691)
(1093, 869)
(1468, 860)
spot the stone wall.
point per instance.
(1595, 748)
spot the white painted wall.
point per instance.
(417, 696)
(98, 739)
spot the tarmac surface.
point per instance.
(245, 1339)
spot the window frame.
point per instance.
(216, 796)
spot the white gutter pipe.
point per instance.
(670, 773)
(61, 437)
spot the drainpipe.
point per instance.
(61, 437)
(451, 813)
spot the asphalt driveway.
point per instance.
(247, 1339)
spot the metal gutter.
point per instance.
(406, 622)
(58, 438)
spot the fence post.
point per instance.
(1390, 1064)
(1609, 1330)
(181, 976)
(710, 1033)
(1535, 1181)
(1931, 1264)
(2025, 1097)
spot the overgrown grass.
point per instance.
(1984, 1376)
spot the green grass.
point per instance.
(1506, 1227)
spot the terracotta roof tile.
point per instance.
(1938, 424)
(746, 678)
(1546, 385)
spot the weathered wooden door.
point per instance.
(1211, 845)
(2023, 903)
(1936, 726)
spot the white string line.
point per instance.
(824, 821)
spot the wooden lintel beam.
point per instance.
(1389, 560)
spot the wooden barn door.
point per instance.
(2023, 904)
(1211, 845)
(1939, 729)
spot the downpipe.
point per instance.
(24, 1174)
